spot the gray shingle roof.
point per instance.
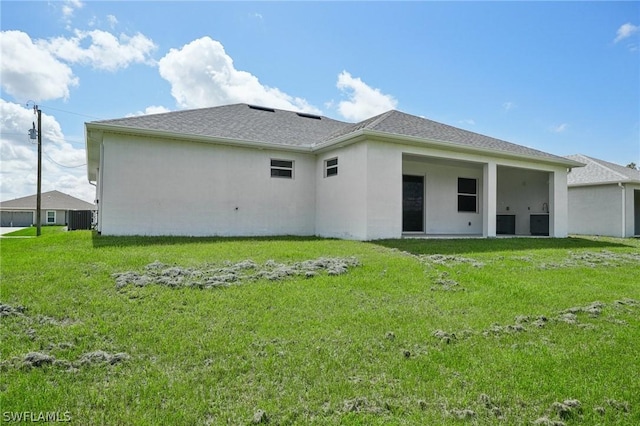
(400, 123)
(242, 122)
(600, 172)
(239, 122)
(52, 200)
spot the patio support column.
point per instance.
(558, 204)
(489, 199)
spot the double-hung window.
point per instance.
(467, 195)
(282, 168)
(331, 167)
(51, 217)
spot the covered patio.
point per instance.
(462, 198)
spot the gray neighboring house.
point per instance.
(55, 207)
(604, 198)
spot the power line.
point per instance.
(62, 165)
(70, 112)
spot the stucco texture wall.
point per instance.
(595, 210)
(165, 187)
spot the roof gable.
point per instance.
(600, 172)
(52, 200)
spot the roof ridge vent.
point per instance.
(307, 115)
(261, 108)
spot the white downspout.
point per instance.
(624, 212)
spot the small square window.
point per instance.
(51, 217)
(282, 168)
(331, 167)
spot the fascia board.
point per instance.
(450, 146)
(348, 139)
(605, 183)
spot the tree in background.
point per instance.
(632, 165)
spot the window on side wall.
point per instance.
(467, 195)
(282, 168)
(331, 167)
(51, 217)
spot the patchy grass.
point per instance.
(513, 331)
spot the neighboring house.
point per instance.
(244, 170)
(55, 208)
(604, 199)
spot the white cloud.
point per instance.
(20, 157)
(105, 51)
(625, 31)
(364, 101)
(70, 6)
(508, 106)
(31, 72)
(468, 121)
(559, 128)
(202, 74)
(113, 21)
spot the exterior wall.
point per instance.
(364, 201)
(99, 185)
(164, 187)
(441, 196)
(632, 210)
(489, 199)
(558, 204)
(384, 191)
(341, 200)
(595, 210)
(636, 211)
(61, 217)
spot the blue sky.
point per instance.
(562, 77)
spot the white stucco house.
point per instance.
(245, 170)
(604, 198)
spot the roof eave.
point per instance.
(604, 183)
(452, 146)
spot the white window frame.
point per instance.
(466, 194)
(281, 167)
(331, 169)
(54, 217)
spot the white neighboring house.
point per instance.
(604, 199)
(55, 209)
(245, 170)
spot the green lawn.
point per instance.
(187, 331)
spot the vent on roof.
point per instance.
(261, 108)
(305, 115)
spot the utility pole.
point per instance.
(39, 196)
(37, 134)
